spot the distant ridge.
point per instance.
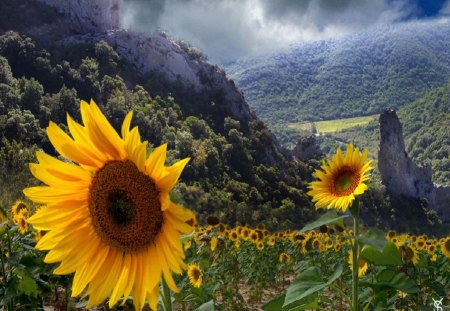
(357, 75)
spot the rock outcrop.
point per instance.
(89, 15)
(400, 175)
(306, 149)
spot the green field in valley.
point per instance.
(331, 126)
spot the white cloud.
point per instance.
(228, 29)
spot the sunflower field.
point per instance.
(243, 268)
(102, 231)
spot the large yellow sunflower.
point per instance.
(341, 179)
(107, 212)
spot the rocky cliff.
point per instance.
(89, 15)
(400, 175)
(306, 149)
(205, 87)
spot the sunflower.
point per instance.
(341, 180)
(253, 237)
(409, 254)
(108, 213)
(284, 258)
(20, 219)
(260, 246)
(187, 244)
(271, 241)
(233, 235)
(445, 246)
(17, 207)
(195, 275)
(3, 221)
(362, 264)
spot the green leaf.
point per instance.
(390, 256)
(330, 217)
(207, 306)
(276, 304)
(309, 282)
(400, 281)
(307, 303)
(437, 287)
(375, 238)
(27, 286)
(385, 275)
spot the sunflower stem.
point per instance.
(166, 297)
(354, 209)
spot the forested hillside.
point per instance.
(353, 76)
(227, 175)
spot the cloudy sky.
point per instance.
(230, 29)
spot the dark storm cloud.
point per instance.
(228, 29)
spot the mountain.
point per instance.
(352, 76)
(67, 51)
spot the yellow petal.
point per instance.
(155, 162)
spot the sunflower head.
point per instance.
(107, 211)
(233, 235)
(409, 254)
(20, 219)
(17, 207)
(341, 179)
(260, 246)
(362, 264)
(445, 246)
(284, 258)
(195, 275)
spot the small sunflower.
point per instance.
(362, 264)
(233, 235)
(271, 241)
(409, 254)
(187, 244)
(253, 237)
(260, 246)
(195, 275)
(284, 258)
(17, 207)
(107, 211)
(341, 180)
(445, 246)
(20, 219)
(3, 221)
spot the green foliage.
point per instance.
(331, 217)
(309, 282)
(232, 172)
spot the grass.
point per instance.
(332, 126)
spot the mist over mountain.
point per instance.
(351, 76)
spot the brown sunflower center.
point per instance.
(361, 263)
(196, 274)
(345, 181)
(125, 207)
